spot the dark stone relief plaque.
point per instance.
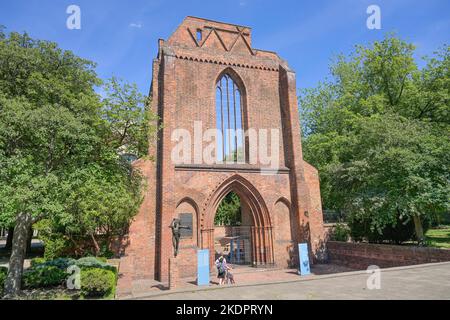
(186, 221)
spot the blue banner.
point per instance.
(304, 259)
(203, 267)
(231, 255)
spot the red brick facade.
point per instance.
(285, 206)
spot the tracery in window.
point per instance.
(229, 120)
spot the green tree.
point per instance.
(229, 211)
(378, 132)
(128, 117)
(56, 140)
(99, 202)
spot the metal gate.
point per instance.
(240, 247)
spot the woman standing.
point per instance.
(221, 265)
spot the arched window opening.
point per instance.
(199, 35)
(229, 120)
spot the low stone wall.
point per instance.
(361, 255)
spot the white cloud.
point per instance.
(137, 25)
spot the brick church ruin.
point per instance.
(207, 72)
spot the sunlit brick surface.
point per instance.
(286, 206)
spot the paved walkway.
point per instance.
(243, 275)
(430, 281)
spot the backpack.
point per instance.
(221, 267)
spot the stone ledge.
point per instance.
(230, 168)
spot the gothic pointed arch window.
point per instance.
(230, 121)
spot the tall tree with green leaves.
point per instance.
(229, 211)
(378, 132)
(129, 120)
(59, 145)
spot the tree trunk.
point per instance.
(419, 229)
(9, 238)
(19, 246)
(96, 246)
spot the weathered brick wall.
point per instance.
(362, 255)
(317, 236)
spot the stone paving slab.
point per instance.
(429, 281)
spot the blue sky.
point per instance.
(121, 35)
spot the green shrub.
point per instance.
(37, 261)
(402, 231)
(340, 232)
(55, 247)
(94, 262)
(442, 218)
(55, 244)
(106, 252)
(3, 274)
(102, 259)
(43, 276)
(97, 282)
(61, 263)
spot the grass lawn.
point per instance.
(439, 238)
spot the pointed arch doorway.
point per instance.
(232, 230)
(255, 216)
